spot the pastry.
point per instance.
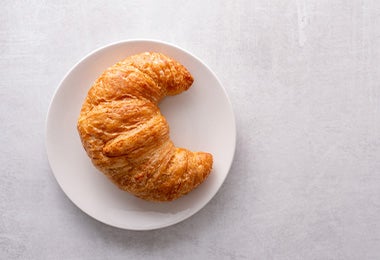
(127, 138)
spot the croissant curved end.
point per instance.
(127, 138)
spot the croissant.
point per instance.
(127, 138)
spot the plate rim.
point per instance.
(151, 41)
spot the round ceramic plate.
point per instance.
(200, 119)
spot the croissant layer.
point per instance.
(126, 136)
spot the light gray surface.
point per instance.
(303, 78)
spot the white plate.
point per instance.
(199, 119)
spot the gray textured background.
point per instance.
(304, 80)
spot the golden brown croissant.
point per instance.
(126, 136)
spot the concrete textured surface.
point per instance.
(303, 77)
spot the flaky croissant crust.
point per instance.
(126, 136)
